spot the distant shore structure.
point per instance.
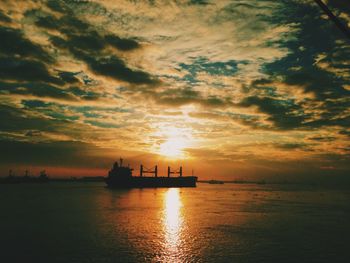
(215, 182)
(26, 178)
(121, 177)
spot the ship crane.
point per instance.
(153, 170)
(179, 172)
(121, 177)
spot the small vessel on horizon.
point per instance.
(121, 177)
(215, 182)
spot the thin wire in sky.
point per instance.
(336, 21)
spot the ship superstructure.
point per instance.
(121, 177)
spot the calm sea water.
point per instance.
(85, 222)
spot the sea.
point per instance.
(87, 222)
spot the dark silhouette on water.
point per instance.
(12, 179)
(121, 177)
(215, 182)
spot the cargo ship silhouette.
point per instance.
(121, 177)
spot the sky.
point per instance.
(235, 90)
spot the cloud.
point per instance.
(116, 68)
(70, 153)
(323, 139)
(69, 77)
(89, 46)
(123, 44)
(291, 146)
(58, 6)
(25, 70)
(14, 119)
(285, 114)
(185, 96)
(36, 89)
(14, 43)
(246, 81)
(4, 17)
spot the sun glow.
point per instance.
(175, 141)
(173, 148)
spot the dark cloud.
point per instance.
(66, 24)
(14, 119)
(13, 42)
(72, 23)
(92, 41)
(89, 42)
(51, 110)
(285, 114)
(83, 94)
(124, 44)
(179, 97)
(88, 46)
(261, 81)
(333, 114)
(101, 124)
(320, 82)
(58, 6)
(58, 42)
(57, 153)
(292, 146)
(323, 138)
(317, 36)
(340, 5)
(81, 35)
(199, 2)
(25, 70)
(58, 115)
(26, 64)
(36, 89)
(339, 121)
(4, 17)
(47, 22)
(317, 62)
(33, 133)
(116, 68)
(345, 132)
(69, 77)
(253, 121)
(202, 65)
(84, 44)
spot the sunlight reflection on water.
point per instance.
(172, 219)
(210, 223)
(172, 225)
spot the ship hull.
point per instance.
(151, 182)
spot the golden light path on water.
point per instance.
(172, 223)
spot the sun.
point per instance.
(173, 148)
(173, 141)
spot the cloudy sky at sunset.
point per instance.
(240, 89)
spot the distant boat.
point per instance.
(215, 182)
(121, 177)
